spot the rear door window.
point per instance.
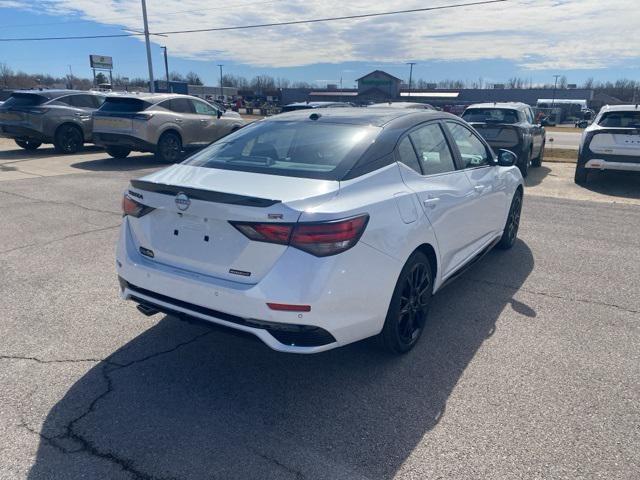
(123, 105)
(407, 155)
(433, 150)
(180, 105)
(472, 150)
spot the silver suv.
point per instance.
(165, 124)
(61, 117)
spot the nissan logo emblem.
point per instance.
(182, 201)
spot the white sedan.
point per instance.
(312, 230)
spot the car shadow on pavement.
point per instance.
(49, 151)
(188, 401)
(615, 184)
(536, 176)
(110, 164)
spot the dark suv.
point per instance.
(61, 117)
(509, 126)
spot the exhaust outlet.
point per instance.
(146, 310)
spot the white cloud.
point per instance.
(536, 34)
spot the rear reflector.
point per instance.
(318, 238)
(285, 307)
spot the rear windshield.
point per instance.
(25, 100)
(487, 115)
(124, 105)
(305, 148)
(620, 119)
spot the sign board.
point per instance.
(100, 61)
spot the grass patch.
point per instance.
(560, 155)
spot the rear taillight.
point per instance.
(134, 209)
(318, 238)
(143, 116)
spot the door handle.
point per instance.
(204, 121)
(431, 202)
(177, 120)
(479, 188)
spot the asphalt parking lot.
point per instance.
(529, 367)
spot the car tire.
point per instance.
(581, 175)
(68, 139)
(537, 162)
(118, 152)
(510, 232)
(169, 148)
(409, 306)
(524, 164)
(28, 144)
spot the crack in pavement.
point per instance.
(298, 474)
(45, 362)
(557, 296)
(87, 446)
(66, 237)
(54, 202)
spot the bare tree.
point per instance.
(193, 79)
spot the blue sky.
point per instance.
(532, 39)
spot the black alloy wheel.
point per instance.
(28, 144)
(169, 148)
(510, 233)
(68, 139)
(409, 306)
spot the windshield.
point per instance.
(24, 100)
(299, 149)
(124, 105)
(497, 115)
(629, 119)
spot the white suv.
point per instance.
(612, 142)
(312, 230)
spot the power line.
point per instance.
(116, 19)
(261, 25)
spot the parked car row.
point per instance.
(165, 124)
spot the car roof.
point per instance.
(149, 97)
(621, 108)
(54, 93)
(511, 105)
(314, 104)
(401, 105)
(360, 116)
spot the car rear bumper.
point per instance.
(601, 164)
(122, 140)
(19, 132)
(344, 308)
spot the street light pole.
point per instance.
(146, 39)
(411, 64)
(555, 85)
(221, 89)
(166, 68)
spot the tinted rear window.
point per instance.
(620, 119)
(124, 105)
(496, 115)
(24, 100)
(298, 149)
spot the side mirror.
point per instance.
(219, 114)
(506, 158)
(544, 122)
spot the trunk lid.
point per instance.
(116, 115)
(194, 234)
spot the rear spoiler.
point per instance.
(203, 195)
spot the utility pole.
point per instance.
(221, 89)
(166, 68)
(555, 85)
(146, 39)
(411, 64)
(70, 77)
